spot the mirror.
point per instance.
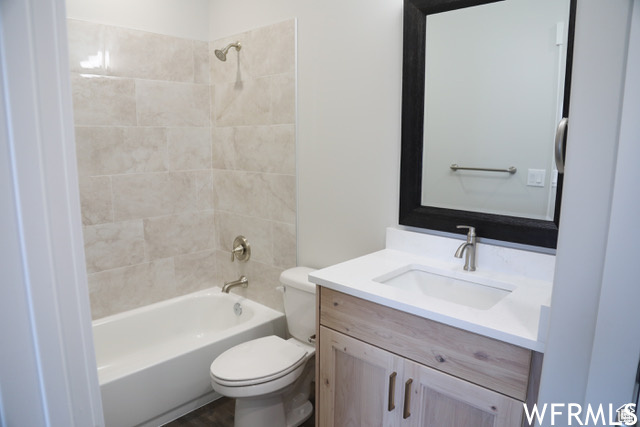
(485, 83)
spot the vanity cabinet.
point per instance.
(363, 385)
(377, 366)
(359, 382)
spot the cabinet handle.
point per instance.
(392, 391)
(407, 399)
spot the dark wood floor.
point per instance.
(216, 414)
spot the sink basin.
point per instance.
(478, 293)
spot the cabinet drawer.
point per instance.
(493, 364)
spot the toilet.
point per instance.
(271, 377)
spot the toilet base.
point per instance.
(286, 408)
(270, 412)
(300, 414)
(260, 412)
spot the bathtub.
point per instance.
(153, 362)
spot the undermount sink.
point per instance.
(480, 293)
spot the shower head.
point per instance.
(222, 54)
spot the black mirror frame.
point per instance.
(498, 227)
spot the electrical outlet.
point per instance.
(535, 177)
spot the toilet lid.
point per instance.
(257, 359)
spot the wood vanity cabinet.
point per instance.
(378, 366)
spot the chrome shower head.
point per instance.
(222, 54)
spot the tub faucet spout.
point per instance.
(242, 281)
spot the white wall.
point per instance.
(179, 18)
(617, 338)
(602, 30)
(348, 127)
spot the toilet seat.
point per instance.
(258, 361)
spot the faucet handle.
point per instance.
(472, 230)
(241, 249)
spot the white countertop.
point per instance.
(520, 318)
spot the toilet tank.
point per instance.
(299, 302)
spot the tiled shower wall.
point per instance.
(177, 154)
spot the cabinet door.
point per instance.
(439, 399)
(359, 383)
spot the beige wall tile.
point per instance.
(153, 194)
(204, 189)
(118, 150)
(256, 230)
(282, 197)
(92, 143)
(212, 105)
(244, 193)
(179, 234)
(172, 104)
(283, 99)
(271, 49)
(265, 149)
(149, 158)
(231, 191)
(113, 245)
(144, 55)
(265, 280)
(255, 148)
(284, 245)
(147, 148)
(243, 104)
(86, 47)
(222, 148)
(103, 101)
(195, 271)
(189, 148)
(201, 67)
(122, 289)
(268, 196)
(285, 140)
(95, 200)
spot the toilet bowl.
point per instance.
(271, 377)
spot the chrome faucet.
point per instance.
(242, 281)
(470, 247)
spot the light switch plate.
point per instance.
(535, 177)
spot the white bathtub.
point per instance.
(153, 362)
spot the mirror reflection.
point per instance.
(494, 88)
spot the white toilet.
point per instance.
(270, 377)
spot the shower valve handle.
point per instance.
(241, 249)
(238, 251)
